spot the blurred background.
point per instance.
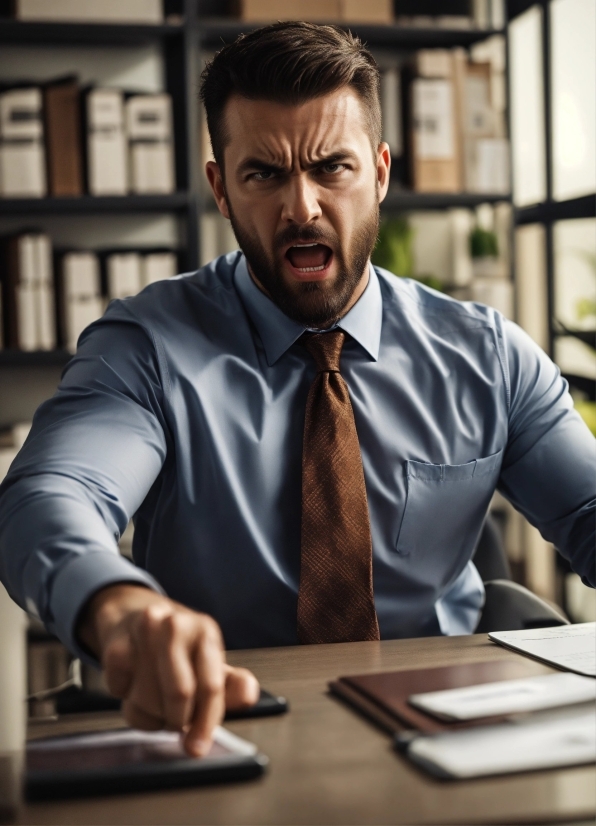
(489, 110)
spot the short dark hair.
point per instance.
(289, 63)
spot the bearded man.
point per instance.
(308, 445)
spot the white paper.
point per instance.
(572, 647)
(549, 740)
(507, 697)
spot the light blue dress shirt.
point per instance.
(184, 407)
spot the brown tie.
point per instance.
(335, 599)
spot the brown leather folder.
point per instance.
(64, 155)
(384, 697)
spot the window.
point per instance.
(573, 83)
(527, 107)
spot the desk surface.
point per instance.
(329, 765)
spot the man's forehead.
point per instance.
(319, 125)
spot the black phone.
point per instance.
(266, 706)
(126, 760)
(75, 700)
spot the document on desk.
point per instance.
(544, 741)
(571, 647)
(507, 697)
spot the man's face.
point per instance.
(302, 190)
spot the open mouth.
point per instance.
(309, 258)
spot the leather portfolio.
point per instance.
(384, 697)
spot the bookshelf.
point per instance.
(181, 40)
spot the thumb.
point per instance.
(242, 687)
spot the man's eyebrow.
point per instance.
(260, 165)
(265, 166)
(335, 157)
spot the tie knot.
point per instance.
(325, 348)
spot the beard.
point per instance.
(315, 304)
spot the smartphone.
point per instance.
(266, 706)
(125, 760)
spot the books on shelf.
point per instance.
(107, 171)
(22, 155)
(216, 236)
(123, 274)
(434, 155)
(61, 141)
(455, 121)
(391, 105)
(350, 11)
(62, 117)
(128, 272)
(488, 14)
(78, 295)
(28, 292)
(158, 266)
(12, 440)
(45, 306)
(487, 166)
(150, 140)
(106, 11)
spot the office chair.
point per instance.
(508, 606)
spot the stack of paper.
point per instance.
(572, 647)
(507, 697)
(550, 740)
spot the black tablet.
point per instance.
(126, 760)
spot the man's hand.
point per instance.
(165, 661)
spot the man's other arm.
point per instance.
(549, 468)
(93, 453)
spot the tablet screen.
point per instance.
(123, 747)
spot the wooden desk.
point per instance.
(330, 766)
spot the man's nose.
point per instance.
(300, 201)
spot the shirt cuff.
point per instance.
(79, 580)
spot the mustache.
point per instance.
(294, 233)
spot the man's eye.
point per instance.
(333, 168)
(263, 175)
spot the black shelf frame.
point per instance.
(18, 31)
(90, 204)
(409, 201)
(214, 32)
(183, 38)
(35, 358)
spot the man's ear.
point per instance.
(383, 169)
(216, 183)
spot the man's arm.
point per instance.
(94, 451)
(549, 469)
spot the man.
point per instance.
(308, 445)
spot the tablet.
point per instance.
(126, 760)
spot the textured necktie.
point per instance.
(335, 599)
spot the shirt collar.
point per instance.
(278, 332)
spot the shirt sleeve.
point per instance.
(549, 468)
(93, 453)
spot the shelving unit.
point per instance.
(178, 45)
(182, 39)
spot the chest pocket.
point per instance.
(445, 508)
